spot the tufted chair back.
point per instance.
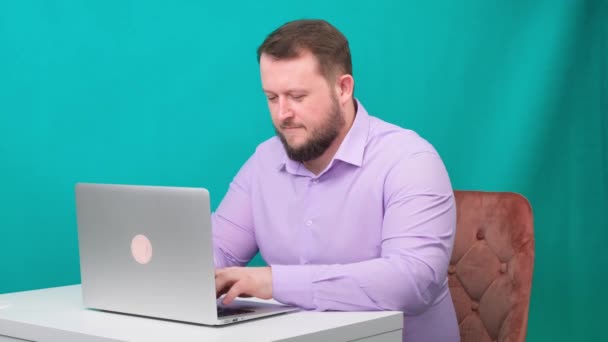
(490, 273)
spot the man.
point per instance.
(351, 213)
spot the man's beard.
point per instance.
(320, 139)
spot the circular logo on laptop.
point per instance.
(141, 249)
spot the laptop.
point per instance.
(148, 251)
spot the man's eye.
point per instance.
(298, 97)
(272, 98)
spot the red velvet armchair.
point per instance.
(490, 272)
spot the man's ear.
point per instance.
(345, 85)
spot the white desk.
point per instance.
(57, 314)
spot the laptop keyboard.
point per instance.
(223, 312)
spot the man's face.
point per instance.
(304, 108)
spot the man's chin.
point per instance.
(292, 146)
(291, 150)
(295, 144)
(294, 151)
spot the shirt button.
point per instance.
(315, 181)
(309, 223)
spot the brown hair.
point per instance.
(324, 41)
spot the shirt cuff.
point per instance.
(292, 285)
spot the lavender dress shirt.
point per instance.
(373, 231)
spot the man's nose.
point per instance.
(285, 110)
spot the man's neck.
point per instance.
(316, 166)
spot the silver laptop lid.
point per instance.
(147, 250)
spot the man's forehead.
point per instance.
(305, 62)
(289, 74)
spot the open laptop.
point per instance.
(148, 251)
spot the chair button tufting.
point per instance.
(503, 267)
(475, 306)
(452, 269)
(480, 235)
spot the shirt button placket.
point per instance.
(304, 257)
(308, 224)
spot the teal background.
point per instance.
(513, 94)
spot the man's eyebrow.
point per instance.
(289, 91)
(297, 90)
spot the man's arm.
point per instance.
(233, 234)
(417, 238)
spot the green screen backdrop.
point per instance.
(513, 94)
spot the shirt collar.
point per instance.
(353, 146)
(351, 149)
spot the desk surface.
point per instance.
(57, 314)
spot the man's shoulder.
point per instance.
(396, 141)
(270, 151)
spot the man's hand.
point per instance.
(244, 282)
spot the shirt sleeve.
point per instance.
(234, 241)
(417, 240)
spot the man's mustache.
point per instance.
(289, 124)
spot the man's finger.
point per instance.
(234, 292)
(224, 279)
(220, 292)
(221, 286)
(222, 283)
